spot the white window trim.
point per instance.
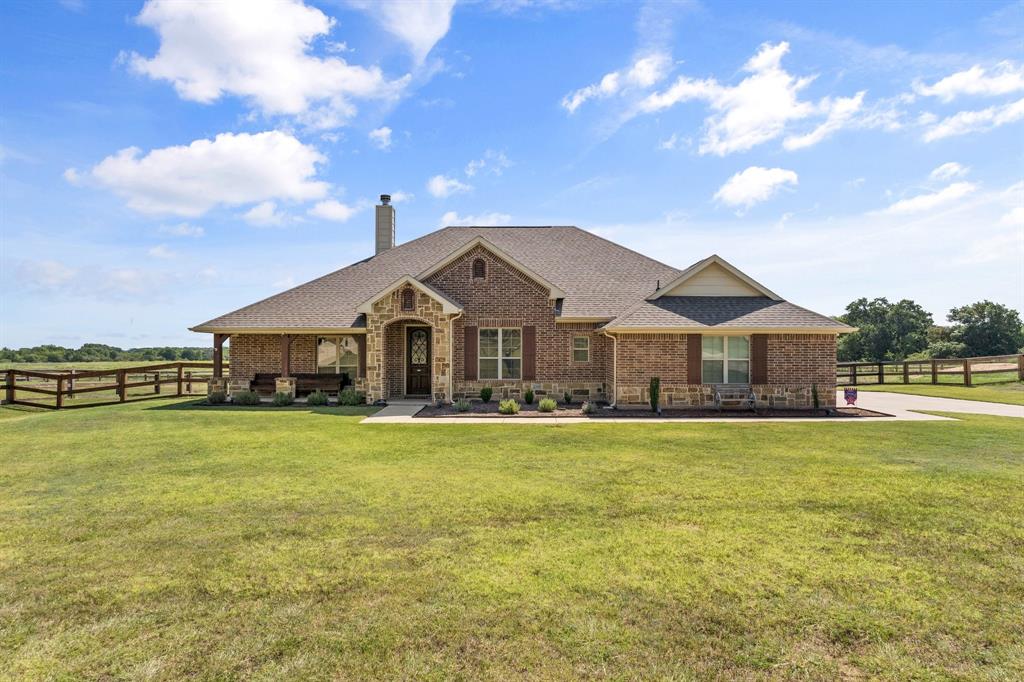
(574, 348)
(337, 360)
(726, 358)
(499, 357)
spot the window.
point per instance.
(501, 353)
(479, 269)
(581, 349)
(725, 359)
(408, 299)
(337, 355)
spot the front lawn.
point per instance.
(162, 541)
(1010, 393)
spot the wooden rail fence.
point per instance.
(67, 388)
(936, 371)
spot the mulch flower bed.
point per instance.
(490, 410)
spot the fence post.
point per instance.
(881, 372)
(188, 379)
(71, 384)
(10, 386)
(967, 372)
(120, 385)
(156, 382)
(60, 392)
(853, 374)
(1020, 367)
(179, 379)
(935, 372)
(906, 372)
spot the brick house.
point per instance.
(554, 309)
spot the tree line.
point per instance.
(94, 352)
(905, 331)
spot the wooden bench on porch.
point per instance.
(304, 383)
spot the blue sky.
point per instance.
(163, 163)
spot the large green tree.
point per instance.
(987, 328)
(886, 331)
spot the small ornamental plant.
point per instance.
(317, 399)
(461, 405)
(216, 398)
(815, 400)
(510, 406)
(528, 396)
(567, 398)
(282, 399)
(349, 397)
(547, 405)
(485, 394)
(588, 408)
(655, 394)
(248, 398)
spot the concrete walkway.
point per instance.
(901, 407)
(907, 406)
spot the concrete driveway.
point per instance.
(908, 406)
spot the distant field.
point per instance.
(1011, 392)
(114, 364)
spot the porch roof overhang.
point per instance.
(553, 291)
(448, 306)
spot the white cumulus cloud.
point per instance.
(381, 137)
(183, 230)
(966, 122)
(644, 72)
(442, 186)
(948, 171)
(162, 251)
(264, 214)
(229, 170)
(931, 200)
(334, 210)
(420, 24)
(479, 220)
(492, 162)
(759, 108)
(258, 50)
(1005, 78)
(754, 185)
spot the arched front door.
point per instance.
(417, 361)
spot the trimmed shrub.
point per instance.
(245, 398)
(283, 399)
(485, 394)
(461, 405)
(547, 405)
(510, 406)
(317, 399)
(588, 408)
(349, 396)
(528, 396)
(567, 398)
(655, 393)
(216, 398)
(815, 400)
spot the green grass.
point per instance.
(1009, 393)
(154, 540)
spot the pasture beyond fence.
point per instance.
(961, 371)
(59, 389)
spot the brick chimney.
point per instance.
(385, 231)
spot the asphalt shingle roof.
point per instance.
(720, 312)
(600, 278)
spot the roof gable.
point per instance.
(713, 276)
(553, 291)
(448, 305)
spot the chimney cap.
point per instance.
(385, 199)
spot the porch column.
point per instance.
(286, 355)
(218, 355)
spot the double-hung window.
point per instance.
(501, 353)
(337, 355)
(725, 359)
(581, 349)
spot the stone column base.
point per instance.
(217, 385)
(238, 386)
(285, 385)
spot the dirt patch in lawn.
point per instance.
(490, 410)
